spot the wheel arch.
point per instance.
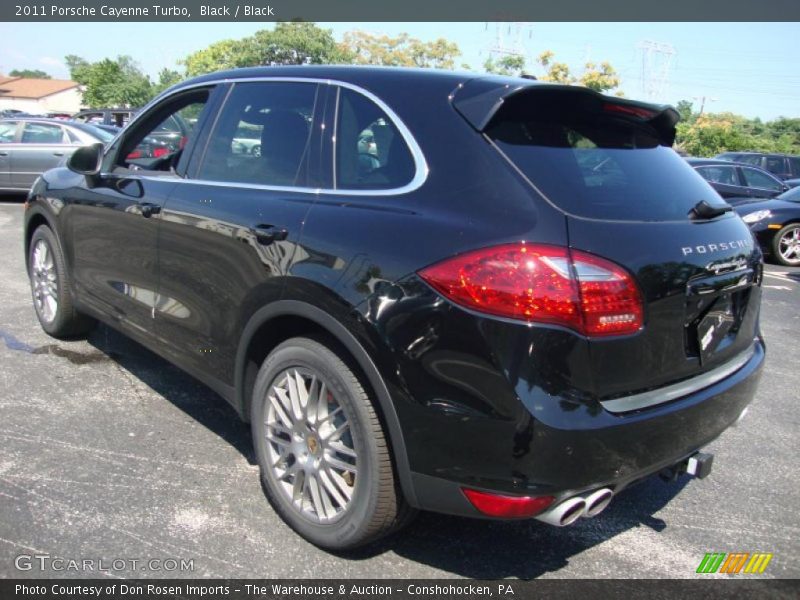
(279, 320)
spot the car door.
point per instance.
(762, 184)
(724, 179)
(114, 218)
(230, 230)
(42, 146)
(8, 133)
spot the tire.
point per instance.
(787, 242)
(51, 288)
(337, 446)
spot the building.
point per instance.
(39, 96)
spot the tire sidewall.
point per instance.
(44, 233)
(776, 245)
(350, 529)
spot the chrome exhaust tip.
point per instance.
(565, 513)
(596, 502)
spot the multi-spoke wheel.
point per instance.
(50, 287)
(786, 245)
(323, 454)
(310, 446)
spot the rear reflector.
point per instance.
(509, 507)
(542, 284)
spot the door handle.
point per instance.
(266, 234)
(148, 209)
(3, 153)
(58, 154)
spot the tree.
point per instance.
(511, 64)
(110, 82)
(598, 77)
(362, 48)
(166, 79)
(293, 43)
(684, 108)
(32, 73)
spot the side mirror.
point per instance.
(86, 160)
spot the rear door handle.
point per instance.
(58, 154)
(266, 234)
(3, 153)
(149, 209)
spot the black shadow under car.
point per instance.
(482, 296)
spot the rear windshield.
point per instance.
(595, 164)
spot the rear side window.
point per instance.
(262, 135)
(757, 179)
(794, 163)
(594, 164)
(371, 153)
(774, 164)
(750, 159)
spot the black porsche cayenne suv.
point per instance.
(481, 296)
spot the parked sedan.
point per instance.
(736, 182)
(776, 225)
(29, 147)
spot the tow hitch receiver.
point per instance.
(697, 465)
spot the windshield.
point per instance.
(791, 195)
(100, 134)
(598, 165)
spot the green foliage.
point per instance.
(166, 79)
(507, 65)
(709, 134)
(293, 43)
(32, 73)
(110, 82)
(362, 48)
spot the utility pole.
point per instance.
(703, 101)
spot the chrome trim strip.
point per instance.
(681, 389)
(421, 165)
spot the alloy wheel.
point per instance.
(789, 245)
(310, 447)
(44, 281)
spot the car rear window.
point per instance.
(595, 164)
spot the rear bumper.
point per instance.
(544, 453)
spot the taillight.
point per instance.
(510, 507)
(159, 152)
(542, 284)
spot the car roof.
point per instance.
(754, 153)
(696, 162)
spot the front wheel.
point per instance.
(50, 287)
(786, 245)
(323, 455)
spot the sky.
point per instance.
(745, 68)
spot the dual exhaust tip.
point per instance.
(569, 511)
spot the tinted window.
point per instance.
(794, 163)
(42, 133)
(792, 195)
(750, 159)
(7, 131)
(761, 180)
(370, 151)
(775, 165)
(597, 165)
(151, 144)
(719, 174)
(262, 135)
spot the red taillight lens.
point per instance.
(134, 154)
(624, 109)
(159, 152)
(509, 507)
(542, 284)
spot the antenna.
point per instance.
(656, 63)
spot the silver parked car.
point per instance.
(30, 146)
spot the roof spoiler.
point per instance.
(481, 100)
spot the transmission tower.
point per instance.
(657, 60)
(508, 39)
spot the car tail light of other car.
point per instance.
(542, 284)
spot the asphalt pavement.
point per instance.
(109, 453)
